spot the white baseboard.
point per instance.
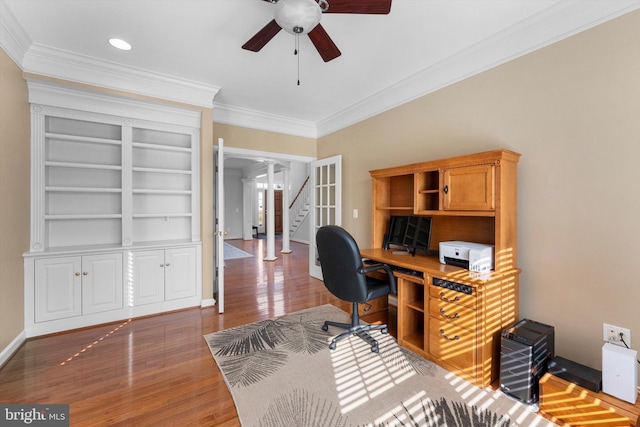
(306, 242)
(209, 302)
(8, 351)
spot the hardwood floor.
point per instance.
(158, 370)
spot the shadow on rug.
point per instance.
(281, 373)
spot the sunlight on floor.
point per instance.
(361, 376)
(94, 343)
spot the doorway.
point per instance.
(277, 210)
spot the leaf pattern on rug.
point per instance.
(249, 353)
(248, 338)
(245, 369)
(407, 361)
(302, 409)
(305, 334)
(439, 414)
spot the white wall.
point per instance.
(233, 203)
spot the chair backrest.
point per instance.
(340, 261)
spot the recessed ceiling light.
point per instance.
(120, 44)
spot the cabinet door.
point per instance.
(101, 283)
(180, 273)
(469, 188)
(58, 288)
(148, 277)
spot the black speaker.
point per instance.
(525, 349)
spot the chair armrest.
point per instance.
(377, 267)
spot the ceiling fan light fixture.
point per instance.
(298, 16)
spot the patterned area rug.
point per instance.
(281, 373)
(231, 252)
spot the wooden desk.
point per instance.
(450, 315)
(568, 404)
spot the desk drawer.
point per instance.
(451, 296)
(454, 313)
(453, 345)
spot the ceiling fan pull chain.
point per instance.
(297, 53)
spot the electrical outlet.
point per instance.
(612, 334)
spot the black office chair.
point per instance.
(345, 276)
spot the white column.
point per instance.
(248, 191)
(286, 247)
(271, 222)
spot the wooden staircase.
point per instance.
(299, 207)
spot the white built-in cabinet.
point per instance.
(160, 275)
(77, 285)
(115, 209)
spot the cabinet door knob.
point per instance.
(167, 264)
(77, 273)
(446, 189)
(161, 265)
(84, 273)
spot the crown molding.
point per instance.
(253, 119)
(13, 38)
(564, 19)
(51, 62)
(52, 97)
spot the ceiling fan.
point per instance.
(301, 17)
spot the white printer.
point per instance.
(472, 256)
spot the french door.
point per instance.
(219, 225)
(326, 203)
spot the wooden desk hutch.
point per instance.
(445, 313)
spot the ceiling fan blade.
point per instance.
(323, 43)
(377, 7)
(262, 37)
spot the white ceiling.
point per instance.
(190, 51)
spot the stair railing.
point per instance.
(298, 207)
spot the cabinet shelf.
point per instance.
(85, 139)
(160, 147)
(150, 191)
(416, 305)
(80, 216)
(415, 340)
(83, 190)
(163, 215)
(396, 208)
(159, 170)
(429, 212)
(83, 165)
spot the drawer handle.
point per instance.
(455, 338)
(448, 316)
(456, 299)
